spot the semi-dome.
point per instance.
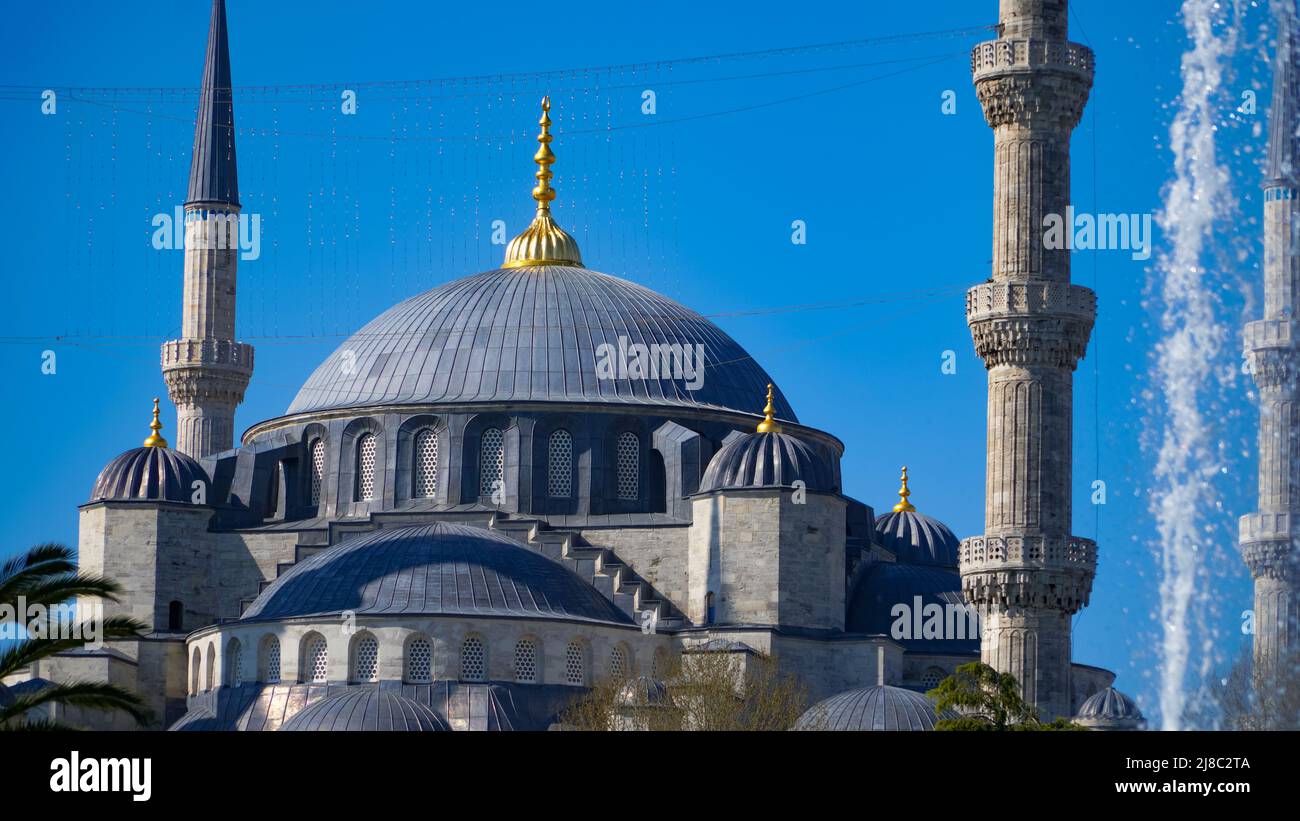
(879, 708)
(366, 709)
(152, 472)
(885, 585)
(1110, 709)
(433, 569)
(914, 537)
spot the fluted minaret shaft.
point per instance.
(206, 370)
(1031, 326)
(1267, 536)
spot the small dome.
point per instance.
(644, 691)
(1110, 705)
(918, 539)
(879, 708)
(366, 709)
(433, 569)
(155, 474)
(768, 460)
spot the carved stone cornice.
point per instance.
(1032, 82)
(1267, 544)
(1270, 352)
(1041, 572)
(206, 371)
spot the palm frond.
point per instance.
(38, 563)
(86, 694)
(24, 653)
(39, 725)
(61, 588)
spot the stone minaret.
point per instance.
(206, 369)
(1266, 536)
(1027, 574)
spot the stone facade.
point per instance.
(1030, 325)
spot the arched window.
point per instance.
(315, 660)
(492, 461)
(210, 674)
(175, 615)
(559, 465)
(575, 664)
(235, 663)
(366, 446)
(273, 492)
(710, 611)
(932, 678)
(659, 664)
(628, 454)
(426, 464)
(365, 658)
(419, 661)
(269, 663)
(618, 664)
(526, 661)
(194, 673)
(317, 469)
(473, 660)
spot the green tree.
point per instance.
(47, 576)
(988, 701)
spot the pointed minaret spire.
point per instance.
(1283, 142)
(206, 370)
(213, 176)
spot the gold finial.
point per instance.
(544, 158)
(769, 425)
(903, 505)
(155, 439)
(543, 242)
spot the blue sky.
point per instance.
(695, 200)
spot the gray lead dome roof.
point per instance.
(1110, 705)
(872, 708)
(530, 334)
(918, 539)
(433, 569)
(767, 460)
(366, 709)
(149, 474)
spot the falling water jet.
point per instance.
(1193, 337)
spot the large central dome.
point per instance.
(533, 333)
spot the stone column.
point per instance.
(1030, 325)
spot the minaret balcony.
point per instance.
(1266, 334)
(1013, 56)
(1053, 572)
(221, 354)
(1026, 298)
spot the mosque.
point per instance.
(465, 516)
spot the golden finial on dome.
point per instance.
(543, 242)
(155, 439)
(769, 425)
(904, 506)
